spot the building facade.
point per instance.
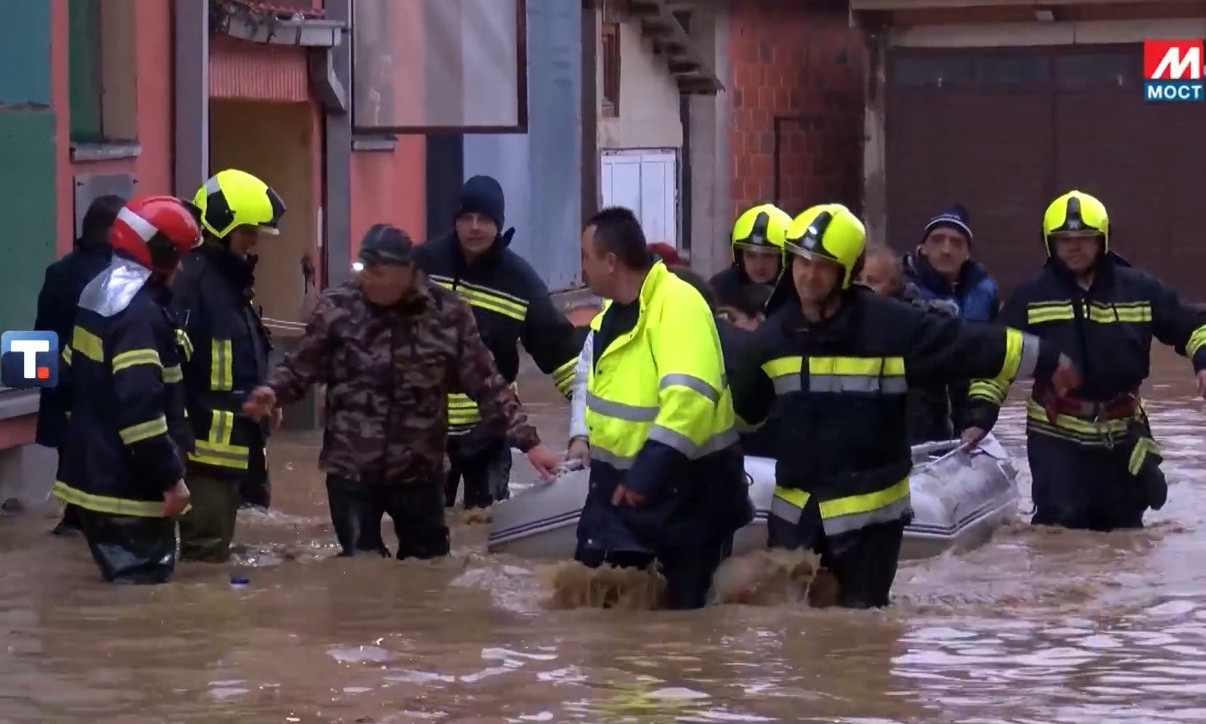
(124, 96)
(1005, 105)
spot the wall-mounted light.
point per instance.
(1044, 16)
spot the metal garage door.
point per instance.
(1003, 131)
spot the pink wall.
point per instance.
(388, 188)
(153, 168)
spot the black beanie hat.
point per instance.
(483, 195)
(954, 217)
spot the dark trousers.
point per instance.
(864, 561)
(255, 488)
(417, 511)
(486, 471)
(130, 549)
(688, 573)
(207, 529)
(1086, 488)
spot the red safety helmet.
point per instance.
(156, 231)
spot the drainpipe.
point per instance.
(190, 58)
(337, 154)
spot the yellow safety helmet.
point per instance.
(762, 227)
(1076, 213)
(831, 232)
(234, 198)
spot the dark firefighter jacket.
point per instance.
(65, 281)
(229, 358)
(755, 439)
(840, 388)
(929, 407)
(1107, 331)
(127, 424)
(511, 305)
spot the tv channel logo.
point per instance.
(1172, 71)
(29, 359)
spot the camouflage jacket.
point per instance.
(388, 372)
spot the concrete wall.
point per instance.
(35, 141)
(711, 168)
(388, 187)
(152, 168)
(649, 102)
(804, 67)
(540, 170)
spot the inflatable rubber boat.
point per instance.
(959, 496)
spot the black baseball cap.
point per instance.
(386, 244)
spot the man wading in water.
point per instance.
(389, 347)
(836, 361)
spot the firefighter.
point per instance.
(666, 475)
(57, 301)
(124, 468)
(511, 305)
(213, 298)
(836, 361)
(1094, 462)
(757, 242)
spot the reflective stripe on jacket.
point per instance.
(127, 425)
(660, 417)
(511, 305)
(839, 389)
(212, 300)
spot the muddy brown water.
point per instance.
(1037, 626)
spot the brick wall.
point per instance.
(805, 67)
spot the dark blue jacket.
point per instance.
(60, 294)
(975, 293)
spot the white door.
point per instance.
(647, 183)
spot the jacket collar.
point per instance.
(924, 274)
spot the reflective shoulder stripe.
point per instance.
(1057, 311)
(87, 344)
(486, 298)
(135, 357)
(65, 353)
(144, 430)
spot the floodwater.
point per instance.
(1037, 626)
